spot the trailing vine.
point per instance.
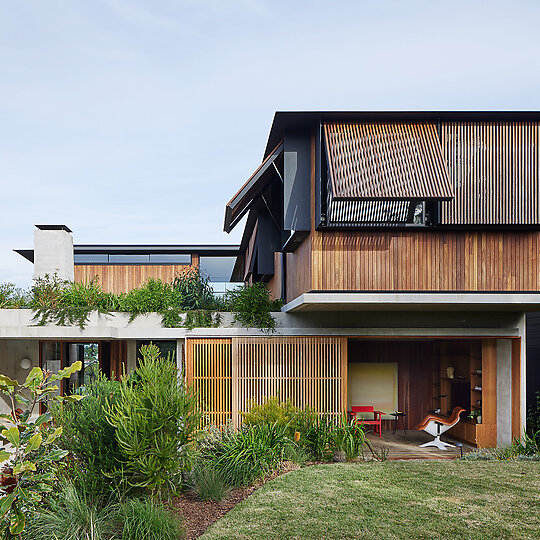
(187, 302)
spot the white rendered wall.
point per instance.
(53, 254)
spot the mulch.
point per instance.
(198, 515)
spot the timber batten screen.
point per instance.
(494, 168)
(209, 371)
(310, 371)
(373, 163)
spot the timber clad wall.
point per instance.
(494, 168)
(124, 277)
(426, 260)
(227, 374)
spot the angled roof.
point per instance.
(241, 202)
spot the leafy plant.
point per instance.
(252, 306)
(155, 418)
(72, 515)
(209, 483)
(194, 290)
(145, 519)
(11, 297)
(247, 454)
(90, 438)
(29, 446)
(349, 438)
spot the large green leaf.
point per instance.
(4, 379)
(12, 435)
(45, 417)
(34, 443)
(53, 436)
(35, 378)
(72, 398)
(23, 467)
(5, 503)
(48, 390)
(56, 455)
(67, 372)
(4, 455)
(17, 522)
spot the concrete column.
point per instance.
(53, 251)
(504, 391)
(522, 325)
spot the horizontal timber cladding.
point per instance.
(494, 169)
(209, 371)
(426, 261)
(310, 371)
(119, 278)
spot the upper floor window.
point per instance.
(132, 258)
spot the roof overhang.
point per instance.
(414, 301)
(238, 206)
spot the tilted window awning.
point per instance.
(238, 206)
(399, 162)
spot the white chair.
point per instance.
(436, 425)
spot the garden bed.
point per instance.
(198, 515)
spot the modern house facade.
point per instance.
(405, 247)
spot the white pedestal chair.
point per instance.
(436, 425)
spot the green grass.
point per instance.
(404, 499)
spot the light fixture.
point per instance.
(26, 363)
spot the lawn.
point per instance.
(405, 499)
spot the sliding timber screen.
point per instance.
(310, 371)
(208, 370)
(229, 373)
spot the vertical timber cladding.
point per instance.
(209, 371)
(310, 371)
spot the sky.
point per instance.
(135, 121)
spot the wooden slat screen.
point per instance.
(494, 169)
(386, 161)
(209, 371)
(310, 371)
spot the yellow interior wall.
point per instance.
(374, 383)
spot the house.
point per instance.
(405, 247)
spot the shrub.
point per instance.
(11, 297)
(251, 305)
(271, 411)
(90, 438)
(155, 418)
(317, 437)
(247, 454)
(145, 519)
(349, 438)
(71, 516)
(210, 484)
(194, 290)
(29, 446)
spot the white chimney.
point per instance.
(53, 251)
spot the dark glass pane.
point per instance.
(91, 258)
(167, 349)
(217, 268)
(129, 259)
(170, 258)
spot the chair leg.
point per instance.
(441, 445)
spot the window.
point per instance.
(91, 258)
(167, 349)
(131, 258)
(218, 269)
(170, 258)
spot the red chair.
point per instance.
(377, 418)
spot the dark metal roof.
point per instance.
(292, 120)
(209, 250)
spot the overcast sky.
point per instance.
(136, 121)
